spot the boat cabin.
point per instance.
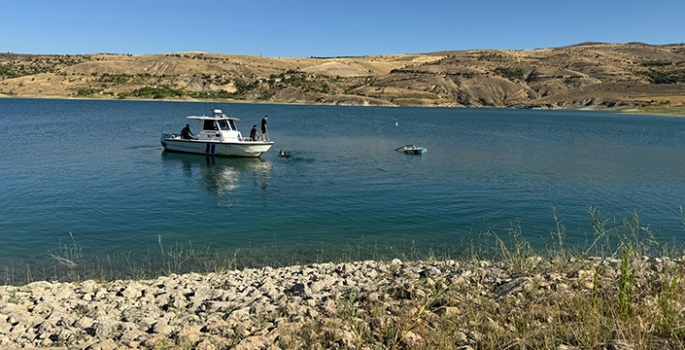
(218, 127)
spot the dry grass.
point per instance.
(584, 310)
(621, 300)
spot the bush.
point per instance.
(657, 77)
(87, 92)
(655, 63)
(509, 73)
(158, 92)
(243, 87)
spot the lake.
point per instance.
(89, 180)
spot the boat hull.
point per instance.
(418, 150)
(411, 149)
(250, 149)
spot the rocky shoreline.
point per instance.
(349, 305)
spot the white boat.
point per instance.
(412, 149)
(218, 136)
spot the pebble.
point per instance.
(247, 306)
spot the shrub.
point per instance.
(509, 73)
(87, 92)
(158, 92)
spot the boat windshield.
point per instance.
(209, 125)
(224, 125)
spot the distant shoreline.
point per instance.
(597, 76)
(656, 111)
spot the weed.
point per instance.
(626, 287)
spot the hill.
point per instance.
(588, 75)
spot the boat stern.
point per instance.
(164, 137)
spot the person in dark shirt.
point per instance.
(186, 134)
(254, 135)
(266, 117)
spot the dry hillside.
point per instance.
(592, 75)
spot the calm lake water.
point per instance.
(95, 169)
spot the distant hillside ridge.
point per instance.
(586, 75)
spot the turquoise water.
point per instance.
(96, 169)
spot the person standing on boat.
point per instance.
(186, 134)
(266, 117)
(254, 134)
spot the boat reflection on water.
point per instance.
(223, 175)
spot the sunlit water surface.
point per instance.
(95, 169)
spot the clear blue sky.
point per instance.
(304, 28)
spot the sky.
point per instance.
(321, 28)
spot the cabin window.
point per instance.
(209, 125)
(223, 125)
(232, 124)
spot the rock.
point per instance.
(38, 289)
(253, 343)
(156, 341)
(514, 286)
(219, 327)
(5, 326)
(329, 306)
(84, 322)
(312, 313)
(250, 308)
(562, 287)
(63, 291)
(452, 311)
(243, 329)
(89, 286)
(133, 291)
(412, 339)
(258, 305)
(496, 275)
(217, 306)
(298, 289)
(132, 335)
(190, 333)
(583, 275)
(108, 344)
(431, 272)
(270, 290)
(205, 345)
(162, 328)
(344, 269)
(103, 327)
(229, 295)
(241, 313)
(567, 347)
(619, 345)
(316, 287)
(178, 300)
(373, 297)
